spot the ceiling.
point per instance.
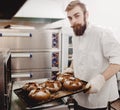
(8, 8)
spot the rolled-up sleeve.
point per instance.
(111, 47)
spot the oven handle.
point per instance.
(9, 90)
(15, 34)
(21, 55)
(21, 75)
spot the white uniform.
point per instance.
(92, 54)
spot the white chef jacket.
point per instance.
(92, 54)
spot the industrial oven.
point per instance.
(35, 53)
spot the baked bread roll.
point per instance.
(39, 94)
(72, 84)
(29, 86)
(52, 85)
(62, 77)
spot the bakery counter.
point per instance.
(17, 104)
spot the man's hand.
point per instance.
(68, 70)
(96, 84)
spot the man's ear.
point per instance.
(86, 15)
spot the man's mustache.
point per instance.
(76, 25)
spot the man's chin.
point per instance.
(78, 34)
(79, 30)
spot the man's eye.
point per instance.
(77, 16)
(70, 18)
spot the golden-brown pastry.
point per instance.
(72, 84)
(52, 85)
(39, 94)
(29, 86)
(62, 77)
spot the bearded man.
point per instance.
(96, 59)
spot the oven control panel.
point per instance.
(55, 40)
(55, 59)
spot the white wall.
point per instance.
(105, 13)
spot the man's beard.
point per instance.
(79, 29)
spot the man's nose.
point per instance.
(73, 21)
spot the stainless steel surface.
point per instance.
(2, 84)
(46, 9)
(41, 39)
(5, 80)
(4, 34)
(21, 55)
(19, 75)
(32, 74)
(39, 54)
(118, 80)
(38, 60)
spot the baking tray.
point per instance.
(23, 96)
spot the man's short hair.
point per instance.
(74, 3)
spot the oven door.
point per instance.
(5, 80)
